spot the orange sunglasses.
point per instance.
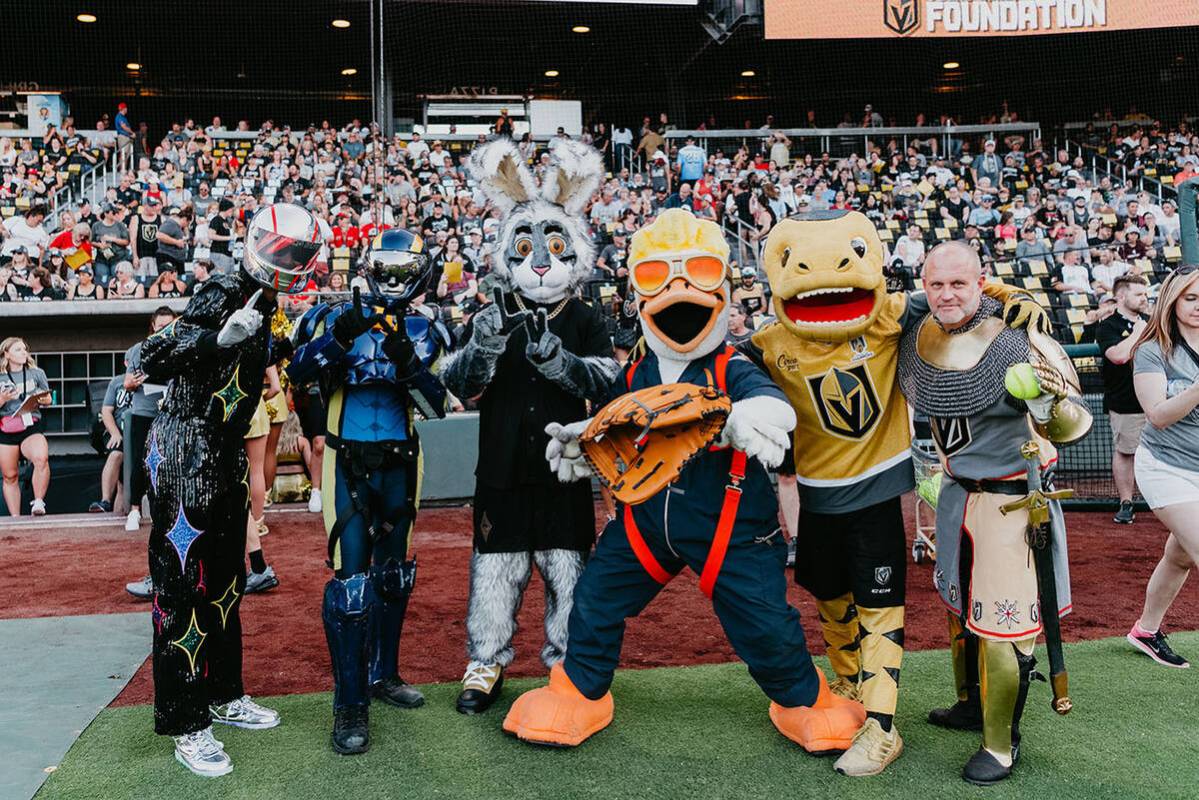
(704, 270)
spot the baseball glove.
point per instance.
(638, 443)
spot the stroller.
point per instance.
(927, 465)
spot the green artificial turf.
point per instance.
(686, 732)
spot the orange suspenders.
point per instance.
(728, 510)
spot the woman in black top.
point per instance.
(86, 288)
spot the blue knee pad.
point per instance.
(348, 613)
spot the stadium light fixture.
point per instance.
(748, 73)
(133, 66)
(349, 71)
(341, 23)
(86, 18)
(580, 29)
(551, 73)
(951, 65)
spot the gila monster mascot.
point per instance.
(717, 515)
(834, 350)
(533, 357)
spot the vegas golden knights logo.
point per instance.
(952, 433)
(901, 16)
(846, 400)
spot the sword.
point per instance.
(1040, 540)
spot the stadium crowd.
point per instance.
(1064, 226)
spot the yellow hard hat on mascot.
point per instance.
(826, 275)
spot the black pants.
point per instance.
(137, 430)
(199, 496)
(863, 551)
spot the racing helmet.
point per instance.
(282, 243)
(398, 264)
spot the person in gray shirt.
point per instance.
(1165, 375)
(110, 243)
(142, 411)
(21, 434)
(172, 238)
(113, 409)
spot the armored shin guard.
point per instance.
(1027, 663)
(966, 713)
(839, 622)
(392, 582)
(881, 630)
(999, 682)
(348, 608)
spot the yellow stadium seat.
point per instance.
(1079, 300)
(1172, 254)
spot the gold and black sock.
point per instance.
(882, 656)
(839, 622)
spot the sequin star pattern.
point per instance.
(1006, 613)
(227, 602)
(230, 394)
(191, 641)
(153, 459)
(181, 535)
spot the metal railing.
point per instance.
(844, 141)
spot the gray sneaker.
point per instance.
(202, 754)
(142, 589)
(261, 581)
(245, 713)
(1126, 514)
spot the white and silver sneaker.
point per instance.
(245, 713)
(203, 754)
(38, 508)
(314, 501)
(133, 521)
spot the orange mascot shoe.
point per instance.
(558, 714)
(825, 727)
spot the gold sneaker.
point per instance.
(844, 687)
(872, 750)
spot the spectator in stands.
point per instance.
(8, 289)
(987, 165)
(85, 288)
(41, 287)
(1071, 240)
(1072, 276)
(1105, 274)
(1168, 222)
(110, 243)
(909, 250)
(221, 234)
(1117, 336)
(1031, 247)
(124, 286)
(75, 244)
(24, 391)
(691, 161)
(1133, 248)
(1166, 379)
(173, 239)
(739, 331)
(984, 215)
(113, 409)
(143, 234)
(167, 284)
(25, 231)
(749, 293)
(611, 263)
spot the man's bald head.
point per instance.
(953, 280)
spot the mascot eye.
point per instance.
(786, 255)
(556, 245)
(523, 246)
(859, 246)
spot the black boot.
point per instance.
(983, 770)
(347, 612)
(483, 684)
(351, 730)
(1027, 665)
(393, 584)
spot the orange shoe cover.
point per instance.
(558, 714)
(825, 727)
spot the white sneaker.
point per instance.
(245, 713)
(38, 508)
(314, 501)
(133, 521)
(202, 754)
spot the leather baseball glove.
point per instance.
(638, 443)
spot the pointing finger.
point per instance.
(253, 301)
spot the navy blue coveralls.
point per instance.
(677, 528)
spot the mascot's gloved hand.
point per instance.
(1038, 384)
(400, 351)
(564, 453)
(354, 321)
(544, 346)
(493, 325)
(242, 323)
(761, 427)
(1021, 311)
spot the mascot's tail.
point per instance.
(1189, 226)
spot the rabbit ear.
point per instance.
(502, 174)
(577, 173)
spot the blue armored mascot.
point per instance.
(372, 360)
